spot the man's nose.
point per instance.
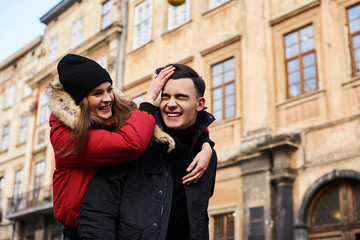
(172, 103)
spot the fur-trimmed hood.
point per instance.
(64, 108)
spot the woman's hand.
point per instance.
(200, 162)
(158, 83)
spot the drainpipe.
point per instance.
(13, 226)
(123, 47)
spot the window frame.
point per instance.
(2, 184)
(77, 33)
(23, 129)
(38, 177)
(44, 109)
(144, 36)
(300, 57)
(225, 209)
(106, 14)
(53, 49)
(217, 3)
(17, 183)
(347, 207)
(225, 225)
(5, 138)
(223, 86)
(351, 42)
(10, 96)
(180, 19)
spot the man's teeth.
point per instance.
(173, 114)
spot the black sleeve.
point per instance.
(148, 107)
(204, 137)
(98, 217)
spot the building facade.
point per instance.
(283, 82)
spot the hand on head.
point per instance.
(158, 83)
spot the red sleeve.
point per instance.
(104, 147)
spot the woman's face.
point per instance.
(101, 100)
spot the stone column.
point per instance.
(285, 214)
(281, 149)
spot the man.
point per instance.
(155, 204)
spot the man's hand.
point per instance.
(158, 83)
(200, 162)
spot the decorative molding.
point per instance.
(295, 12)
(137, 82)
(220, 45)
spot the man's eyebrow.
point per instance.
(181, 95)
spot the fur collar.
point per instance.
(64, 108)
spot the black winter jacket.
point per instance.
(146, 196)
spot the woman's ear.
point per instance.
(200, 104)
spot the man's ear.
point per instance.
(200, 104)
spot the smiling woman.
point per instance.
(92, 125)
(101, 100)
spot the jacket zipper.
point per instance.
(164, 197)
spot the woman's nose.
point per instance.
(107, 97)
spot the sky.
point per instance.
(20, 23)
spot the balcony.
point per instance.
(38, 201)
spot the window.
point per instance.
(142, 23)
(223, 89)
(354, 31)
(300, 61)
(39, 176)
(216, 3)
(77, 33)
(44, 111)
(106, 15)
(23, 129)
(27, 91)
(1, 187)
(178, 15)
(5, 138)
(41, 137)
(53, 49)
(103, 63)
(17, 183)
(224, 226)
(336, 207)
(10, 95)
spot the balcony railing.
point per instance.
(37, 200)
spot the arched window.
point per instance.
(335, 212)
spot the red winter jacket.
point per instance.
(72, 174)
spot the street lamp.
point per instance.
(176, 2)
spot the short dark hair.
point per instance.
(184, 71)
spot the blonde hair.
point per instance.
(122, 109)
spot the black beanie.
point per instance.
(79, 75)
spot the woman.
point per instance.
(92, 125)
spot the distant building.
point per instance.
(283, 81)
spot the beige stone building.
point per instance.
(283, 81)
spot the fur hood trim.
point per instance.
(62, 105)
(64, 108)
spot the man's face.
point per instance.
(180, 104)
